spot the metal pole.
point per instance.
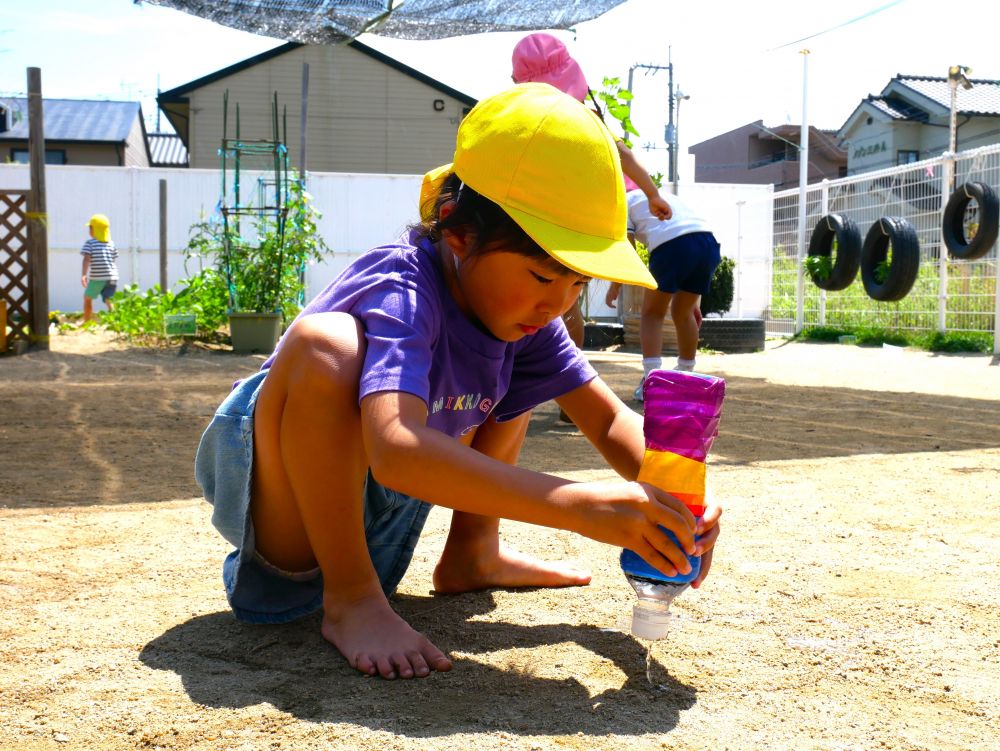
(947, 185)
(953, 114)
(996, 304)
(739, 258)
(38, 239)
(163, 235)
(803, 186)
(681, 96)
(823, 210)
(302, 125)
(671, 131)
(947, 177)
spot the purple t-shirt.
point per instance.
(420, 342)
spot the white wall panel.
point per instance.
(360, 211)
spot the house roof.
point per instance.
(167, 150)
(75, 120)
(174, 102)
(982, 99)
(822, 140)
(916, 98)
(892, 109)
(180, 92)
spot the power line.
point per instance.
(840, 25)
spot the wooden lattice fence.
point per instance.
(15, 284)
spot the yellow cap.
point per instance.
(101, 227)
(553, 166)
(430, 187)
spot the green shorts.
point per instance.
(106, 288)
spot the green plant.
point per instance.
(881, 271)
(264, 270)
(719, 298)
(253, 279)
(937, 341)
(643, 251)
(819, 266)
(618, 103)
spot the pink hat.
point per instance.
(543, 58)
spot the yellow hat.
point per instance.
(553, 166)
(101, 227)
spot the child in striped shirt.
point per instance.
(100, 270)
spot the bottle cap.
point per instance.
(649, 623)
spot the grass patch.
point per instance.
(936, 341)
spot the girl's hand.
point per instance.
(612, 294)
(708, 531)
(629, 514)
(659, 207)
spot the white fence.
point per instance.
(360, 211)
(949, 294)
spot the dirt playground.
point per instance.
(854, 602)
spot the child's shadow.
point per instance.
(223, 663)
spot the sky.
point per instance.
(738, 62)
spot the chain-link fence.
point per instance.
(949, 294)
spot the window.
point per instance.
(52, 156)
(907, 156)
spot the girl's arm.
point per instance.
(410, 457)
(658, 205)
(609, 424)
(617, 432)
(86, 269)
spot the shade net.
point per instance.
(333, 21)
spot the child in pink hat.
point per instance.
(543, 58)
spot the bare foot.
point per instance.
(466, 570)
(376, 641)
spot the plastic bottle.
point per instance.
(682, 412)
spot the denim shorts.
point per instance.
(685, 263)
(259, 592)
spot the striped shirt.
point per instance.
(102, 259)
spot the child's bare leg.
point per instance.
(309, 471)
(473, 557)
(682, 312)
(573, 318)
(88, 308)
(654, 310)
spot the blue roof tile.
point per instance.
(73, 120)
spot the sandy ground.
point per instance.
(853, 603)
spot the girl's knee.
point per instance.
(323, 351)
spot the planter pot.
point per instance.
(254, 332)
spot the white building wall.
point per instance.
(360, 211)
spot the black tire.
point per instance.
(905, 258)
(953, 223)
(732, 335)
(848, 257)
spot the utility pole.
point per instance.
(803, 194)
(956, 76)
(671, 132)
